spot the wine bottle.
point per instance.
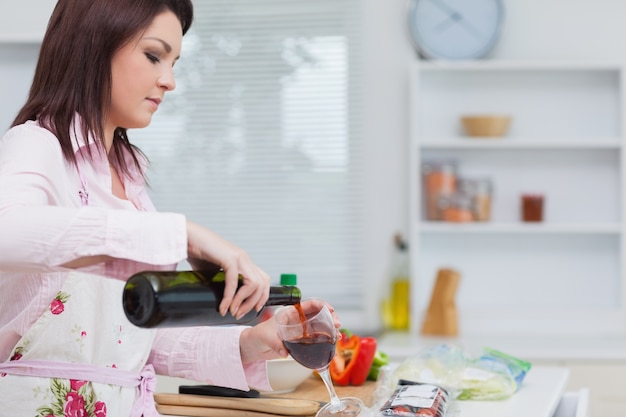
(188, 298)
(286, 280)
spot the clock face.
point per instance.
(455, 29)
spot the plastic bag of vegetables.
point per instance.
(492, 376)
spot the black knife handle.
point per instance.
(217, 391)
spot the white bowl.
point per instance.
(286, 374)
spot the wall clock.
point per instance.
(455, 29)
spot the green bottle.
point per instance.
(188, 298)
(286, 280)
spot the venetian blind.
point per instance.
(259, 141)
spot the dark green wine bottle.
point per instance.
(188, 298)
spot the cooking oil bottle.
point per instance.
(396, 307)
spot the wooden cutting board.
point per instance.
(304, 401)
(279, 406)
(179, 410)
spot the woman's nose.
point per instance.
(167, 80)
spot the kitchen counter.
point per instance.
(539, 396)
(400, 345)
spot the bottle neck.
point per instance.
(287, 295)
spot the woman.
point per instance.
(74, 209)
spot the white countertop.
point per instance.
(400, 345)
(538, 396)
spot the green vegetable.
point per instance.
(380, 359)
(486, 385)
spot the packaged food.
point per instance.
(493, 376)
(416, 399)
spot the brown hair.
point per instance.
(73, 73)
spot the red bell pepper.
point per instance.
(353, 359)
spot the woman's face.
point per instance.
(142, 71)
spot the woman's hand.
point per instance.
(263, 342)
(203, 245)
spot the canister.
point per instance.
(439, 179)
(480, 191)
(457, 208)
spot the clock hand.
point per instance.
(454, 16)
(444, 24)
(470, 28)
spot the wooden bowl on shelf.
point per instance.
(486, 125)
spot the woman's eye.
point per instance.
(152, 58)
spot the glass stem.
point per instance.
(335, 402)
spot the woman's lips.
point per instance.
(155, 102)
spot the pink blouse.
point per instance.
(52, 213)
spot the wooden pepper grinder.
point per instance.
(441, 317)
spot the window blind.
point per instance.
(260, 142)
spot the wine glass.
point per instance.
(309, 334)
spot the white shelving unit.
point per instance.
(564, 276)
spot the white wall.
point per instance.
(17, 65)
(564, 29)
(534, 29)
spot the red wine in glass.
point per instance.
(309, 335)
(315, 350)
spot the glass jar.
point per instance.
(458, 208)
(532, 207)
(439, 179)
(481, 191)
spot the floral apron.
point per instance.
(81, 358)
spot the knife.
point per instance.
(216, 390)
(204, 403)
